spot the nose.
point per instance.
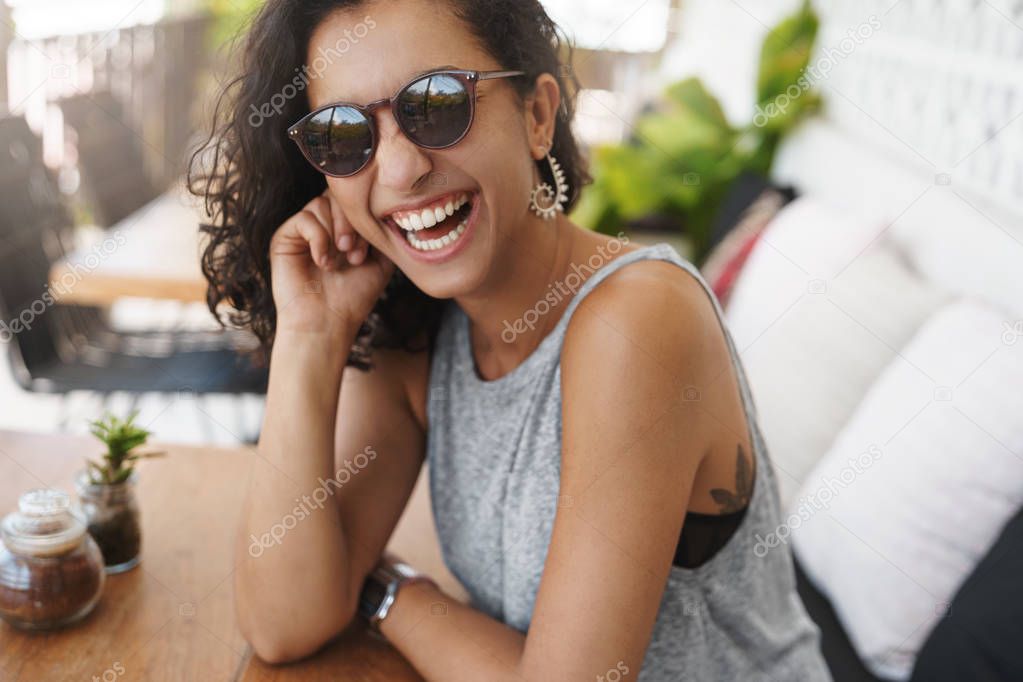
(400, 163)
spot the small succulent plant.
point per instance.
(121, 436)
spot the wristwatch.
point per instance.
(381, 589)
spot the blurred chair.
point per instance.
(110, 157)
(84, 325)
(115, 186)
(44, 359)
(52, 347)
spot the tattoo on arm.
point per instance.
(733, 502)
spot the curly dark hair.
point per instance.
(252, 178)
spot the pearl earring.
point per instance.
(544, 201)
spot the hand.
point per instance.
(325, 276)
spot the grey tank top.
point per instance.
(494, 457)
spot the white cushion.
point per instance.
(918, 484)
(947, 230)
(810, 357)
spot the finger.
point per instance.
(350, 241)
(311, 229)
(329, 214)
(344, 235)
(357, 256)
(320, 207)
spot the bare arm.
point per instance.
(627, 481)
(338, 454)
(287, 575)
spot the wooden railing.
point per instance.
(152, 70)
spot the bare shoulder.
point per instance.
(649, 333)
(653, 306)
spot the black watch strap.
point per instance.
(381, 589)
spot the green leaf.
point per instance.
(681, 133)
(97, 473)
(231, 17)
(144, 455)
(630, 177)
(684, 155)
(691, 95)
(121, 437)
(786, 52)
(596, 209)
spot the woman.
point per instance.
(597, 477)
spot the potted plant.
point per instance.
(675, 170)
(107, 492)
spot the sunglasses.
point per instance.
(434, 111)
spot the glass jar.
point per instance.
(51, 571)
(112, 516)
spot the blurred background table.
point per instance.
(153, 253)
(172, 618)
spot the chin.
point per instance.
(451, 282)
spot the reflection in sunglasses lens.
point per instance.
(339, 140)
(435, 111)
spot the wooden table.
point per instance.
(172, 618)
(153, 253)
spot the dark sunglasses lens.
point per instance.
(338, 140)
(435, 111)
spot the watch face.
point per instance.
(372, 597)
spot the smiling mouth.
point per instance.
(436, 226)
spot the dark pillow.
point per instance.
(740, 196)
(981, 638)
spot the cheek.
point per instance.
(502, 164)
(352, 195)
(498, 139)
(513, 177)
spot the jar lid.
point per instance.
(43, 525)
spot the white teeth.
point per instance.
(434, 244)
(430, 217)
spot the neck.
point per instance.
(518, 307)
